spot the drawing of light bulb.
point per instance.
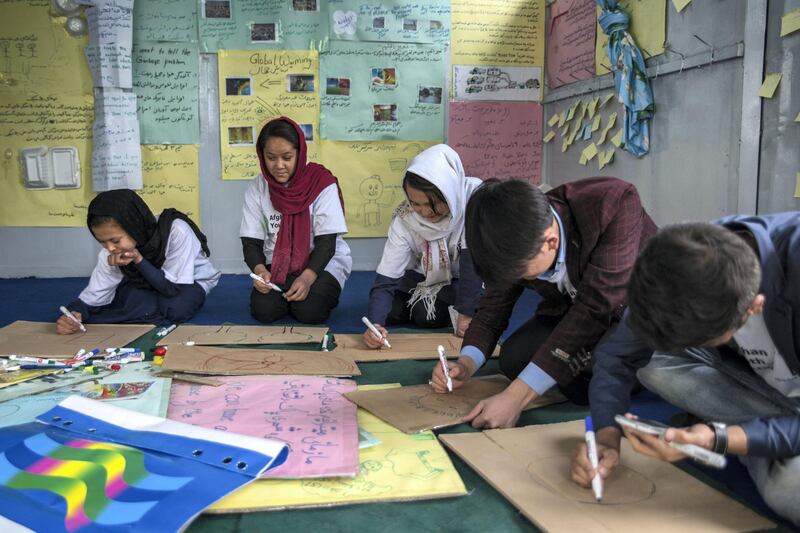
(8, 155)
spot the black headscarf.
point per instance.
(151, 235)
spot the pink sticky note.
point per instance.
(309, 413)
(497, 139)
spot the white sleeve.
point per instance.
(328, 213)
(252, 216)
(397, 251)
(103, 284)
(183, 247)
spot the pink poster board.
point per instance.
(498, 139)
(570, 42)
(309, 413)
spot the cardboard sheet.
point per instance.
(530, 467)
(236, 361)
(41, 339)
(310, 414)
(418, 408)
(210, 335)
(400, 468)
(404, 346)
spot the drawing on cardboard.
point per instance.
(530, 466)
(404, 346)
(372, 190)
(234, 361)
(210, 335)
(624, 486)
(41, 339)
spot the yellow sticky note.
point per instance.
(797, 186)
(565, 145)
(612, 119)
(771, 82)
(617, 138)
(592, 107)
(605, 158)
(553, 120)
(605, 100)
(590, 151)
(679, 5)
(549, 137)
(582, 159)
(603, 134)
(562, 118)
(581, 111)
(572, 109)
(565, 130)
(596, 123)
(797, 118)
(790, 22)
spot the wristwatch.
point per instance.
(720, 436)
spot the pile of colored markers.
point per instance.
(91, 361)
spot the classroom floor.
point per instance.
(484, 509)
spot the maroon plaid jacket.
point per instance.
(605, 227)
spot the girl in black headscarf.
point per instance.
(149, 271)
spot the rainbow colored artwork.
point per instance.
(97, 483)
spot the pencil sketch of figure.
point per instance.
(372, 190)
(412, 464)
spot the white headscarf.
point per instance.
(441, 166)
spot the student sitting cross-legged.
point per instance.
(713, 327)
(292, 220)
(149, 271)
(575, 246)
(426, 266)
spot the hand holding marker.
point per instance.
(375, 331)
(69, 315)
(267, 283)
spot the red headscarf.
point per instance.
(292, 201)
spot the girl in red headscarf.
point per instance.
(291, 230)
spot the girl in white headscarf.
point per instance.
(426, 267)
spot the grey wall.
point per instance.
(780, 137)
(692, 170)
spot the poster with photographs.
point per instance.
(255, 24)
(390, 21)
(382, 92)
(257, 86)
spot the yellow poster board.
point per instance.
(497, 32)
(170, 173)
(45, 101)
(370, 174)
(648, 27)
(402, 467)
(256, 86)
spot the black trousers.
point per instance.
(417, 315)
(323, 296)
(139, 305)
(516, 352)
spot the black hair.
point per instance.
(432, 193)
(505, 226)
(277, 128)
(94, 221)
(692, 283)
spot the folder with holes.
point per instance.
(95, 467)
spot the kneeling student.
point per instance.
(149, 271)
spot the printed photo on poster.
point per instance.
(429, 95)
(337, 86)
(305, 5)
(238, 86)
(436, 25)
(384, 113)
(300, 83)
(217, 9)
(384, 77)
(263, 32)
(378, 23)
(240, 136)
(308, 131)
(409, 25)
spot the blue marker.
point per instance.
(591, 450)
(42, 367)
